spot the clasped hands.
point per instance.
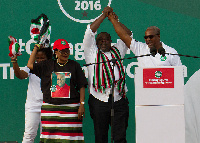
(108, 12)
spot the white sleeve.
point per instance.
(26, 69)
(175, 59)
(191, 108)
(89, 44)
(137, 47)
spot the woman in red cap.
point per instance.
(61, 116)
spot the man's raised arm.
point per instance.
(95, 25)
(122, 31)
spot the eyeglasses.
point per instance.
(64, 51)
(150, 36)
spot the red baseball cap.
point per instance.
(60, 44)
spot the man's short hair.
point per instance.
(99, 35)
(155, 29)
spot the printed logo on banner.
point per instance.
(83, 11)
(158, 74)
(158, 78)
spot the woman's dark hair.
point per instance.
(47, 51)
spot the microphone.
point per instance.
(161, 51)
(153, 51)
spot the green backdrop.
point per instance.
(178, 21)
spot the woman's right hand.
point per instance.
(14, 58)
(37, 46)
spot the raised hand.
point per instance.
(107, 10)
(112, 15)
(14, 58)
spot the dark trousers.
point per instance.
(100, 112)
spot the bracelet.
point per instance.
(82, 103)
(38, 46)
(14, 61)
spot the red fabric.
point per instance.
(61, 112)
(56, 122)
(35, 31)
(61, 91)
(10, 49)
(63, 134)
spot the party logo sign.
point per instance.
(158, 78)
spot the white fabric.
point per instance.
(90, 51)
(32, 120)
(32, 107)
(34, 94)
(139, 48)
(192, 109)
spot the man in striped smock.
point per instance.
(100, 78)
